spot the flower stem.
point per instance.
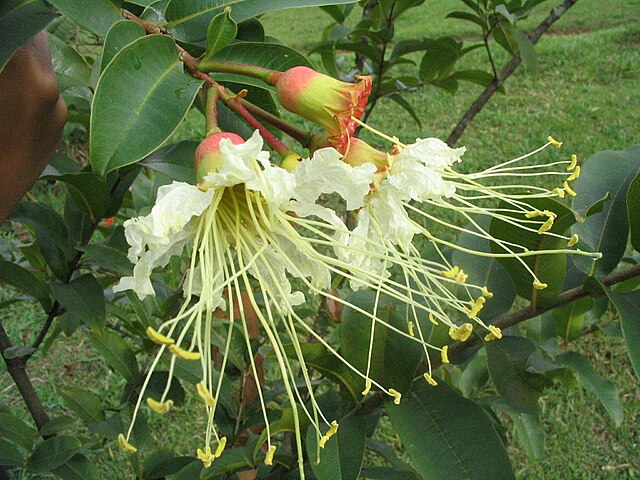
(211, 111)
(304, 138)
(252, 71)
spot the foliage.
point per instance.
(69, 261)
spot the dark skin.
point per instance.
(32, 117)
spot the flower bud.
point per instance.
(324, 100)
(208, 157)
(358, 152)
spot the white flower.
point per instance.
(415, 181)
(432, 152)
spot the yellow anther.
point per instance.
(159, 407)
(546, 226)
(559, 192)
(432, 319)
(126, 446)
(221, 444)
(330, 433)
(477, 306)
(461, 277)
(489, 336)
(206, 456)
(461, 333)
(452, 273)
(411, 332)
(205, 394)
(430, 380)
(568, 189)
(550, 214)
(574, 163)
(158, 338)
(554, 142)
(268, 458)
(396, 396)
(574, 175)
(538, 285)
(495, 331)
(184, 354)
(367, 387)
(574, 239)
(444, 355)
(486, 292)
(534, 214)
(291, 161)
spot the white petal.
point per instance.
(418, 182)
(313, 269)
(326, 173)
(140, 282)
(275, 183)
(270, 270)
(394, 222)
(433, 153)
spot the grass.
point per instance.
(586, 93)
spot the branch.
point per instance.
(488, 92)
(509, 320)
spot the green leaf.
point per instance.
(633, 212)
(120, 35)
(56, 425)
(83, 403)
(97, 19)
(470, 17)
(52, 453)
(111, 254)
(221, 32)
(342, 456)
(72, 70)
(175, 161)
(87, 189)
(530, 433)
(607, 232)
(23, 279)
(593, 382)
(19, 21)
(384, 473)
(77, 467)
(448, 436)
(163, 462)
(10, 455)
(143, 79)
(83, 299)
(395, 357)
(16, 431)
(569, 319)
(628, 307)
(507, 360)
(18, 351)
(190, 18)
(51, 234)
(400, 100)
(233, 459)
(527, 52)
(474, 76)
(117, 354)
(284, 424)
(266, 55)
(439, 59)
(550, 269)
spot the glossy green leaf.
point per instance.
(569, 319)
(143, 79)
(474, 76)
(530, 433)
(71, 69)
(120, 35)
(111, 254)
(83, 403)
(628, 307)
(56, 425)
(448, 436)
(390, 454)
(342, 456)
(593, 382)
(284, 424)
(384, 473)
(16, 431)
(266, 55)
(10, 454)
(19, 21)
(607, 232)
(87, 189)
(233, 459)
(633, 212)
(395, 358)
(77, 467)
(468, 16)
(22, 279)
(189, 18)
(439, 59)
(221, 32)
(507, 359)
(117, 354)
(175, 161)
(550, 269)
(52, 453)
(98, 18)
(83, 300)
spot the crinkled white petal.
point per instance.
(326, 173)
(270, 269)
(432, 152)
(418, 182)
(316, 271)
(391, 217)
(274, 183)
(213, 295)
(140, 282)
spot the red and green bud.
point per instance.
(358, 152)
(208, 158)
(324, 100)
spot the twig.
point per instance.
(493, 87)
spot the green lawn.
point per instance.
(586, 93)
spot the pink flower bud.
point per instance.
(208, 157)
(324, 100)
